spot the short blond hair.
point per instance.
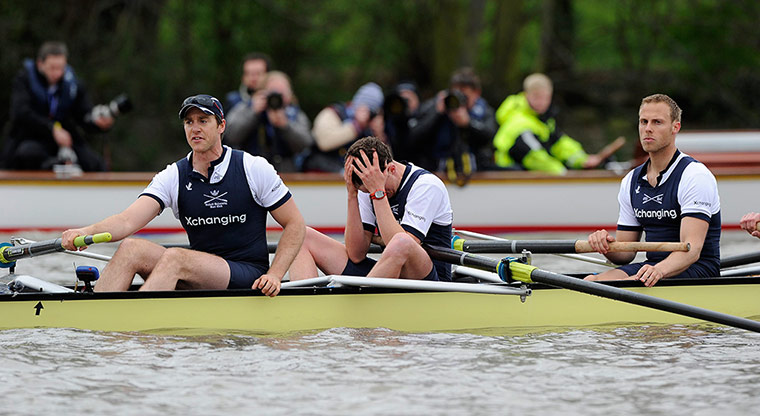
(537, 81)
(675, 110)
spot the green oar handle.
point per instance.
(86, 240)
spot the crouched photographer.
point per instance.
(271, 125)
(50, 114)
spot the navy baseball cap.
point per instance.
(205, 103)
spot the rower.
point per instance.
(406, 204)
(671, 197)
(222, 198)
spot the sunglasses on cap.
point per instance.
(205, 103)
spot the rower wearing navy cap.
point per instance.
(671, 197)
(222, 197)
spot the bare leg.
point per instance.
(404, 258)
(193, 269)
(134, 256)
(614, 274)
(318, 251)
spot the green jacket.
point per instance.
(525, 140)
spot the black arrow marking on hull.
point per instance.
(38, 307)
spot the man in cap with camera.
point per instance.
(221, 197)
(455, 129)
(49, 106)
(528, 137)
(271, 125)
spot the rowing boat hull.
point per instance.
(493, 202)
(295, 310)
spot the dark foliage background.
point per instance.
(603, 55)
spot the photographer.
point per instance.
(255, 68)
(49, 106)
(339, 125)
(455, 129)
(400, 110)
(271, 125)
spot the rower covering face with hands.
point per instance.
(404, 204)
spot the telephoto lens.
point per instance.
(274, 101)
(454, 99)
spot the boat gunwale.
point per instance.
(342, 290)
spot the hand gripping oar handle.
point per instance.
(9, 254)
(512, 270)
(582, 246)
(557, 246)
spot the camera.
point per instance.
(454, 99)
(118, 106)
(394, 105)
(274, 101)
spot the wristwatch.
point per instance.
(379, 194)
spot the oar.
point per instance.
(739, 260)
(9, 254)
(94, 256)
(512, 270)
(559, 246)
(579, 257)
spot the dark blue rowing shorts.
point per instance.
(362, 269)
(696, 270)
(243, 274)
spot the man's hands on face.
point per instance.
(369, 172)
(348, 170)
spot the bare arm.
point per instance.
(121, 225)
(693, 231)
(294, 229)
(357, 238)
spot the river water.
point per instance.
(694, 370)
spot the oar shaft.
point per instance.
(9, 254)
(610, 292)
(739, 260)
(519, 272)
(560, 246)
